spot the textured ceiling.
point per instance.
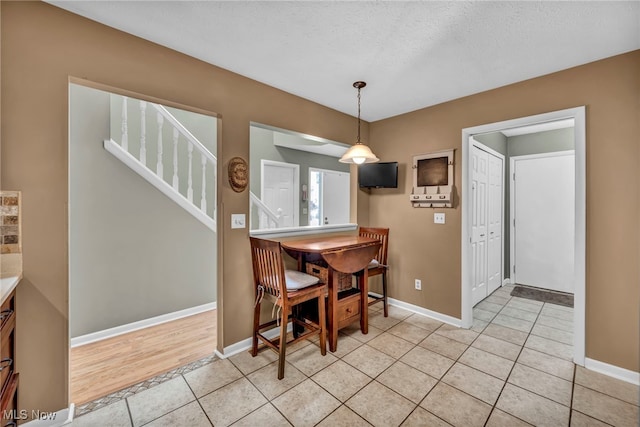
(411, 54)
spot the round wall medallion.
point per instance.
(238, 176)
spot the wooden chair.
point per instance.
(379, 264)
(286, 288)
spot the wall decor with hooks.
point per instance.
(432, 180)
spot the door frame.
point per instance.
(296, 184)
(578, 114)
(494, 153)
(512, 207)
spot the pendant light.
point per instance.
(359, 153)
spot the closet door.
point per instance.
(479, 223)
(494, 214)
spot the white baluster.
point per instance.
(143, 132)
(125, 129)
(159, 170)
(175, 159)
(203, 196)
(190, 177)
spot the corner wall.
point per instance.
(609, 89)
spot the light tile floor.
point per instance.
(513, 368)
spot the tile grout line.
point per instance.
(478, 332)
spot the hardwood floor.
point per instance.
(106, 366)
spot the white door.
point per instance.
(335, 197)
(494, 215)
(479, 223)
(543, 203)
(280, 189)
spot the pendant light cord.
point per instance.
(358, 141)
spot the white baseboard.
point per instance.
(613, 371)
(426, 312)
(506, 281)
(141, 324)
(245, 344)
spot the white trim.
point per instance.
(425, 312)
(141, 324)
(507, 281)
(578, 114)
(623, 374)
(512, 200)
(125, 157)
(301, 231)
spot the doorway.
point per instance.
(280, 189)
(129, 243)
(542, 209)
(578, 116)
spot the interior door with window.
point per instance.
(329, 197)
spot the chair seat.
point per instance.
(297, 280)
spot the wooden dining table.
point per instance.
(344, 254)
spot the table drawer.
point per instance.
(348, 310)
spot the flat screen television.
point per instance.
(378, 175)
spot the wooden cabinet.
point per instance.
(8, 375)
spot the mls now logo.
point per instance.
(23, 414)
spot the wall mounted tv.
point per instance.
(378, 175)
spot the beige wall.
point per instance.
(42, 47)
(609, 89)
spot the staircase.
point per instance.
(146, 146)
(266, 217)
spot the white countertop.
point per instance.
(8, 283)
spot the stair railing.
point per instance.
(208, 162)
(266, 217)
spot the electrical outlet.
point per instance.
(418, 284)
(438, 218)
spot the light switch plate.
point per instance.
(438, 218)
(238, 221)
